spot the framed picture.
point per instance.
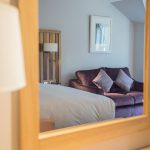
(100, 34)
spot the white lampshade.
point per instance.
(12, 75)
(50, 47)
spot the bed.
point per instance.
(69, 107)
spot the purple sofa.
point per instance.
(127, 103)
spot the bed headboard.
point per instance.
(49, 63)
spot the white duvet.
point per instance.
(68, 107)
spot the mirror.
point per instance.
(91, 61)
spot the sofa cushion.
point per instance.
(120, 99)
(129, 111)
(86, 76)
(124, 81)
(116, 89)
(103, 81)
(138, 97)
(138, 110)
(123, 112)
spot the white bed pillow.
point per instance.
(103, 81)
(124, 81)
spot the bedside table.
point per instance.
(46, 125)
(51, 82)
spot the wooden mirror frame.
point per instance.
(30, 138)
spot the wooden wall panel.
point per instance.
(41, 40)
(50, 70)
(57, 57)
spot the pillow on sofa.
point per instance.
(103, 81)
(124, 81)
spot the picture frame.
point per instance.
(100, 34)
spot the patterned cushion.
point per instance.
(103, 81)
(124, 81)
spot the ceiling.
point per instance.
(132, 9)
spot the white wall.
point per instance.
(144, 2)
(138, 51)
(5, 123)
(72, 18)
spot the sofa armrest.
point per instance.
(138, 86)
(75, 83)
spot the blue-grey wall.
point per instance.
(138, 51)
(72, 18)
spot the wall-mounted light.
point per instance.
(50, 47)
(12, 75)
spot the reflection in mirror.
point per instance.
(90, 60)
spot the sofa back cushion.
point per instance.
(86, 76)
(113, 72)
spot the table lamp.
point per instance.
(12, 75)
